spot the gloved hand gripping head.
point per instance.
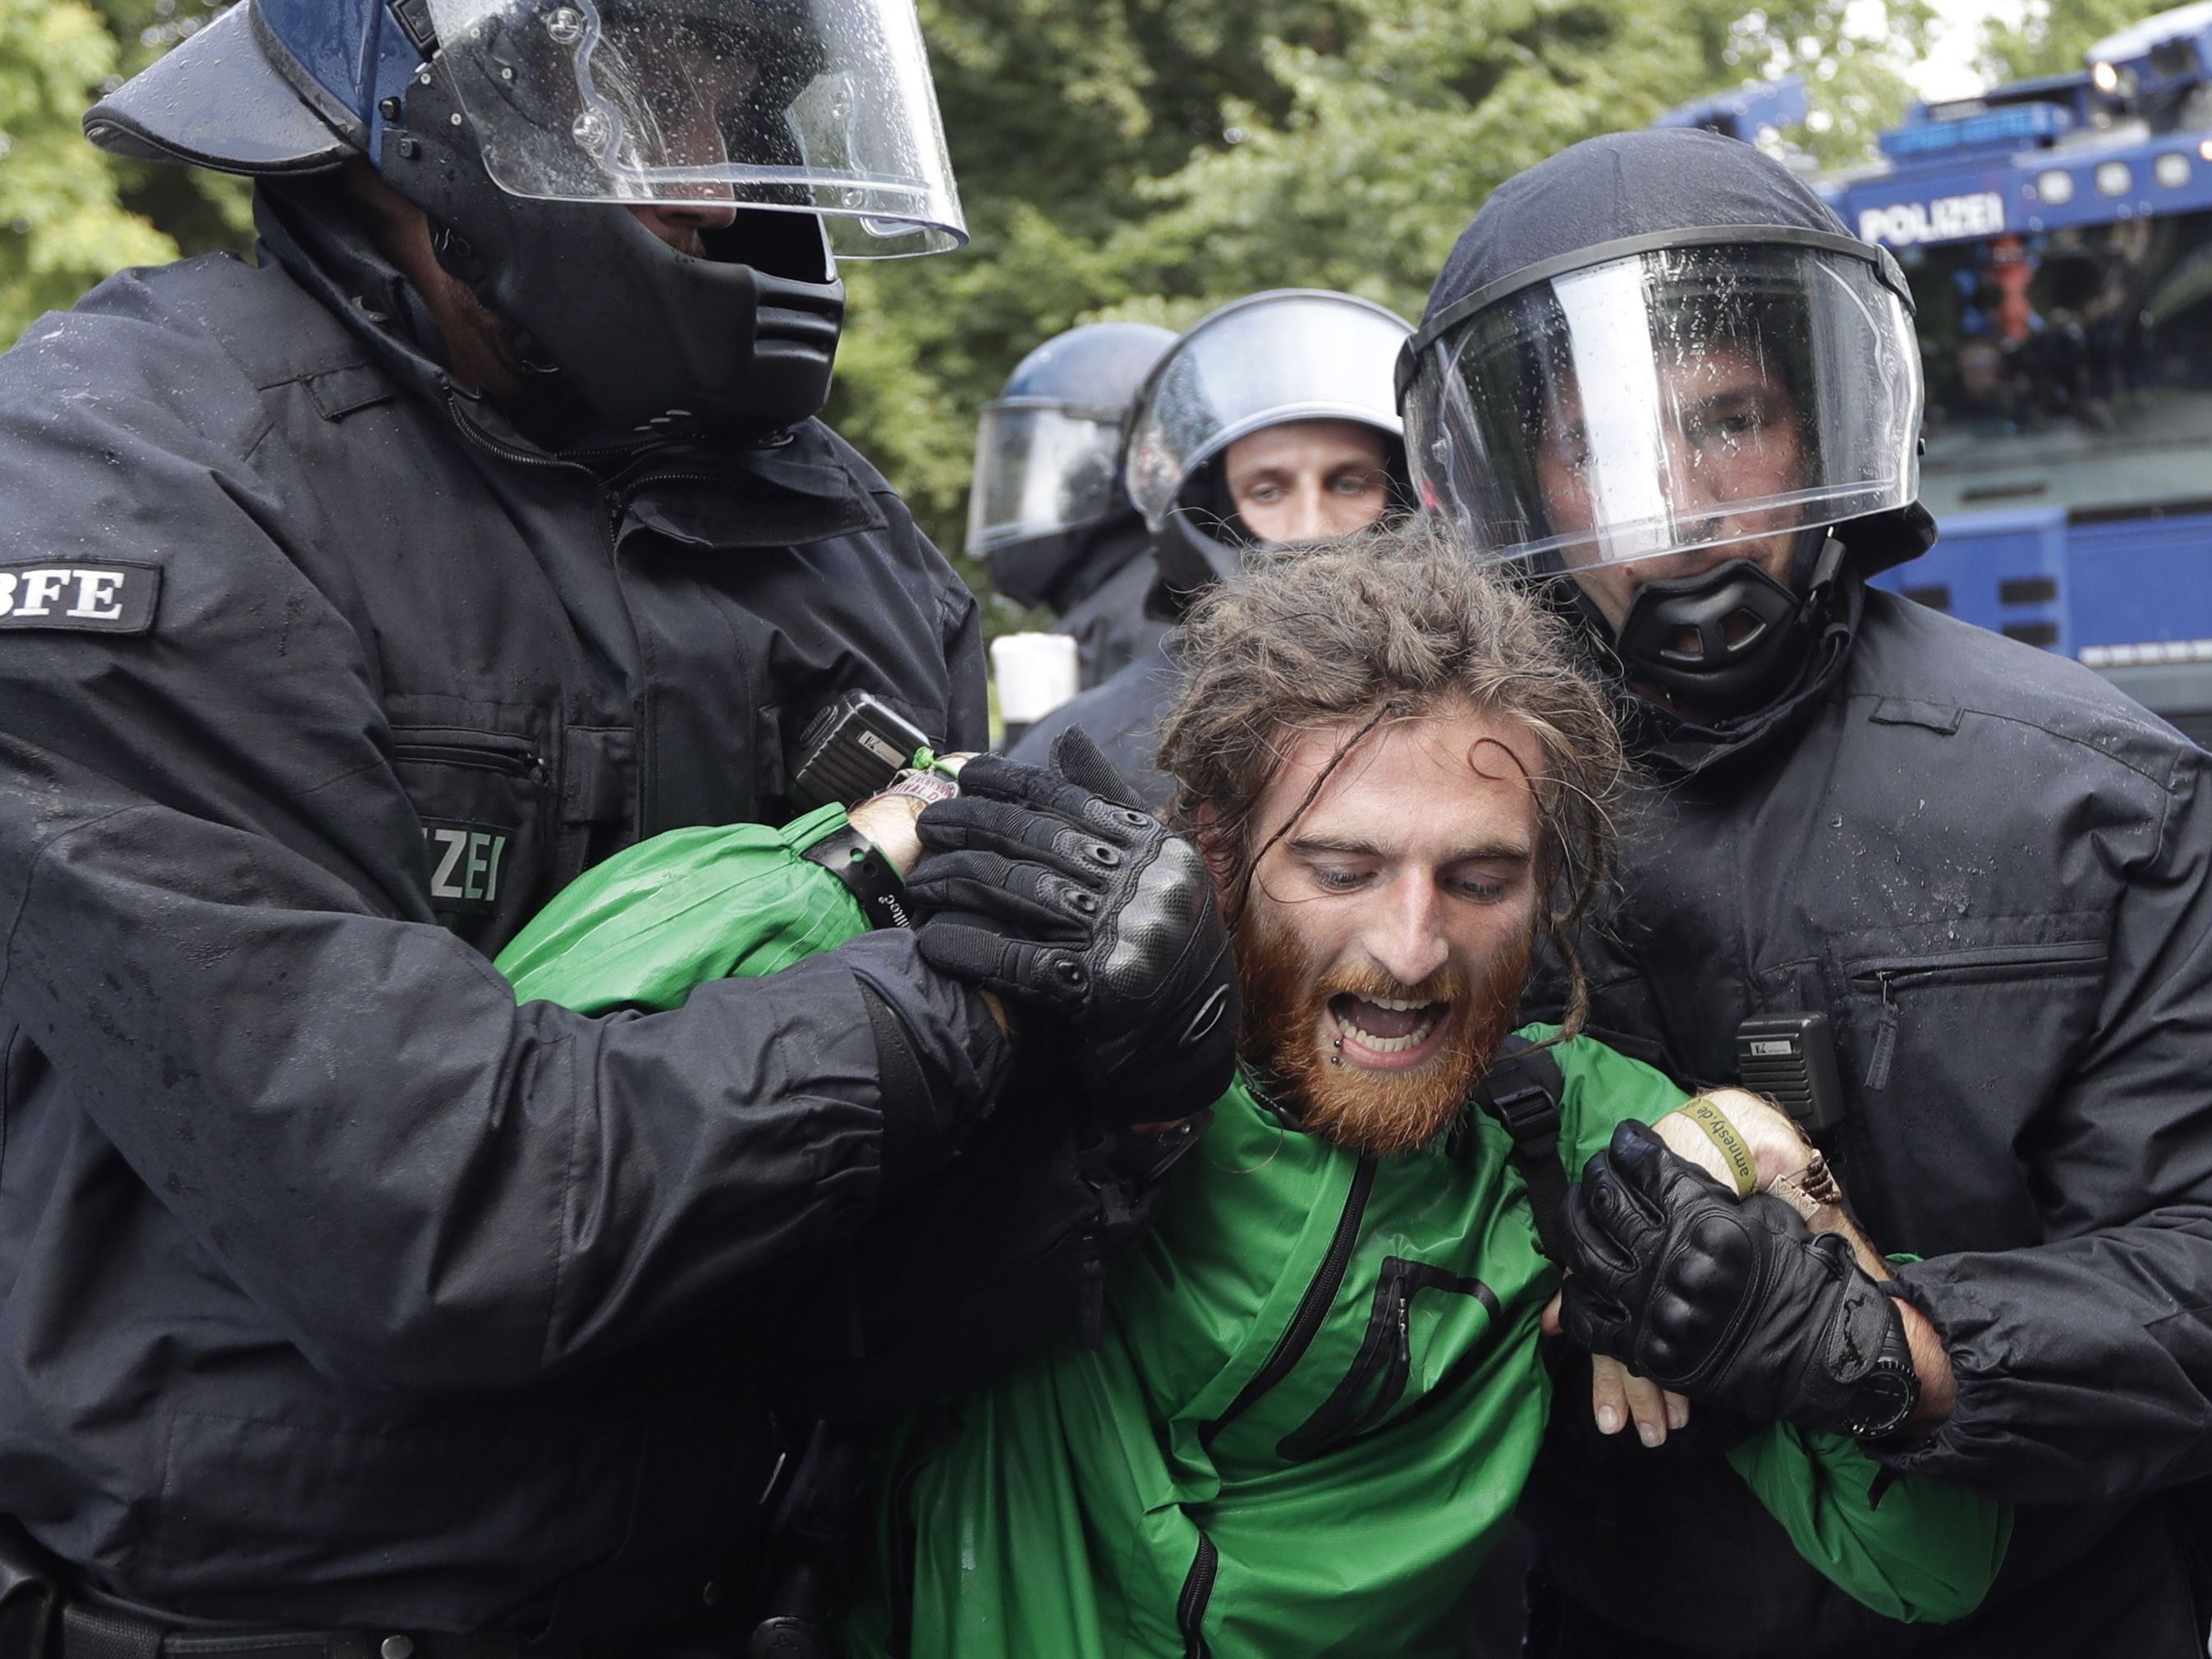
(1051, 888)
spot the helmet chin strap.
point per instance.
(1726, 640)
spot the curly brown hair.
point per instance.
(1384, 626)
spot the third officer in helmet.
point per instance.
(352, 603)
(1270, 422)
(1049, 510)
(1943, 891)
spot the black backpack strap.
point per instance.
(1521, 1090)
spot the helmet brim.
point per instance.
(215, 101)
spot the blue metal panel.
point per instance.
(2072, 588)
(2002, 571)
(1969, 200)
(2139, 579)
(2007, 128)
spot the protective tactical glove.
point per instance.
(1736, 1303)
(1052, 888)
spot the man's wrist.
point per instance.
(866, 872)
(1931, 1364)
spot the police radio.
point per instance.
(850, 751)
(1791, 1060)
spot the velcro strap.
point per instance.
(868, 876)
(1735, 1151)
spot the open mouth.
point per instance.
(1387, 1033)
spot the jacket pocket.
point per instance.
(1897, 982)
(1952, 1048)
(1384, 1364)
(482, 800)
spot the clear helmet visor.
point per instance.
(1274, 358)
(1672, 400)
(1042, 468)
(821, 106)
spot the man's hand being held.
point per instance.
(1735, 1301)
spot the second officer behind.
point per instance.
(1270, 422)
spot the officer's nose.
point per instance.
(1405, 938)
(1304, 517)
(679, 224)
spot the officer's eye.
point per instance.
(1729, 423)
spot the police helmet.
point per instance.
(1287, 354)
(1663, 342)
(792, 131)
(1048, 456)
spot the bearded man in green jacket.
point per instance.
(1320, 1384)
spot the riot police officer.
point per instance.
(350, 605)
(1049, 510)
(1657, 373)
(1270, 421)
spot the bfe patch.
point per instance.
(100, 597)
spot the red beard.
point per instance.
(1379, 1114)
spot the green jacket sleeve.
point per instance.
(646, 928)
(1911, 1549)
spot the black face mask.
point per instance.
(740, 342)
(1727, 641)
(1724, 640)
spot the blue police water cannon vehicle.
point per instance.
(2058, 236)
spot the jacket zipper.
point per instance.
(1312, 1309)
(510, 762)
(611, 503)
(482, 439)
(1197, 1592)
(2002, 962)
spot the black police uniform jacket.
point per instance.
(1126, 717)
(334, 1287)
(1108, 618)
(1993, 872)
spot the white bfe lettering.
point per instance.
(468, 865)
(95, 595)
(40, 589)
(33, 594)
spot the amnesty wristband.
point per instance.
(1735, 1151)
(867, 874)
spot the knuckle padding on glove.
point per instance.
(1159, 924)
(995, 778)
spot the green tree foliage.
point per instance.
(2051, 38)
(70, 215)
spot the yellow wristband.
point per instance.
(1735, 1151)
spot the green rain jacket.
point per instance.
(1321, 1387)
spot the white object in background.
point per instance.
(1037, 674)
